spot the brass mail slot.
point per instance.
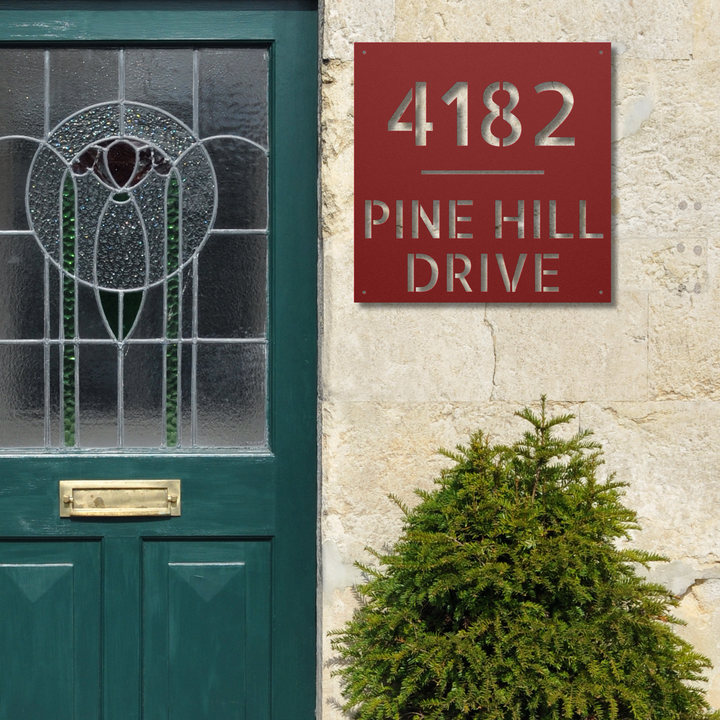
(116, 498)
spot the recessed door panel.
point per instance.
(206, 630)
(50, 630)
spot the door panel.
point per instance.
(206, 630)
(50, 631)
(212, 613)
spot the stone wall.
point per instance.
(398, 381)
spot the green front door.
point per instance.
(158, 322)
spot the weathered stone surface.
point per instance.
(665, 266)
(685, 346)
(581, 352)
(350, 21)
(336, 138)
(669, 454)
(700, 609)
(667, 126)
(658, 29)
(404, 353)
(706, 29)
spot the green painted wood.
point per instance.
(294, 437)
(121, 623)
(50, 610)
(148, 22)
(264, 499)
(206, 630)
(220, 494)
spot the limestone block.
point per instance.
(684, 352)
(669, 454)
(349, 21)
(700, 608)
(336, 172)
(658, 29)
(706, 36)
(571, 352)
(403, 353)
(666, 266)
(665, 160)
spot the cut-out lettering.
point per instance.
(458, 93)
(510, 287)
(422, 126)
(544, 137)
(411, 272)
(507, 115)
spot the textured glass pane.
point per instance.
(143, 396)
(232, 299)
(54, 300)
(161, 77)
(44, 193)
(79, 78)
(23, 97)
(150, 199)
(90, 316)
(233, 93)
(16, 157)
(22, 297)
(92, 198)
(197, 199)
(150, 319)
(122, 248)
(185, 409)
(22, 422)
(241, 171)
(86, 127)
(53, 379)
(187, 302)
(231, 395)
(158, 128)
(131, 239)
(97, 412)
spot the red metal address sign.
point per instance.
(482, 172)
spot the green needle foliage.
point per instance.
(507, 597)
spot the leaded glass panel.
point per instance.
(133, 248)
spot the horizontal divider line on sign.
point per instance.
(482, 172)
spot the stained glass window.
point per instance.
(133, 248)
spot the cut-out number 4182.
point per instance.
(458, 94)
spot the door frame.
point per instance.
(290, 30)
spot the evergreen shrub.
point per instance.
(507, 597)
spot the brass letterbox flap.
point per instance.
(118, 498)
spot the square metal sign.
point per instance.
(482, 172)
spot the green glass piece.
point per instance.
(173, 311)
(68, 310)
(121, 197)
